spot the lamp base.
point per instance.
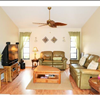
(34, 55)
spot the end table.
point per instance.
(34, 60)
(95, 85)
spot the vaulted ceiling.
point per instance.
(74, 17)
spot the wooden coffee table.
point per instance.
(95, 85)
(46, 74)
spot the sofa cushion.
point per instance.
(91, 57)
(93, 65)
(47, 62)
(88, 61)
(86, 55)
(57, 62)
(46, 54)
(57, 58)
(77, 66)
(82, 61)
(58, 54)
(46, 57)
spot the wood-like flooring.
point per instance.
(19, 84)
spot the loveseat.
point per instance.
(81, 74)
(55, 59)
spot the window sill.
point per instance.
(26, 58)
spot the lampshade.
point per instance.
(35, 49)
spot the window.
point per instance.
(24, 45)
(26, 48)
(73, 48)
(75, 45)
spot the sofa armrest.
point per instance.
(74, 61)
(40, 61)
(86, 74)
(90, 72)
(64, 59)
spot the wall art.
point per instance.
(45, 39)
(53, 39)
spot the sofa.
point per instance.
(54, 59)
(81, 74)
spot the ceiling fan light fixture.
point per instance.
(49, 8)
(50, 22)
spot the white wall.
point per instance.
(91, 34)
(8, 31)
(41, 32)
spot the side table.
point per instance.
(5, 75)
(95, 85)
(34, 60)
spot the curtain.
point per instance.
(22, 40)
(77, 35)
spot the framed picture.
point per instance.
(53, 39)
(45, 39)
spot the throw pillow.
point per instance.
(57, 58)
(47, 58)
(93, 65)
(82, 60)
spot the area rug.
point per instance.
(65, 84)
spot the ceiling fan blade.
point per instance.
(60, 24)
(43, 25)
(38, 23)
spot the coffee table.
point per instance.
(46, 74)
(95, 85)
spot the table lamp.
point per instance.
(35, 50)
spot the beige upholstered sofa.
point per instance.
(55, 59)
(81, 74)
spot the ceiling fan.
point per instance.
(50, 22)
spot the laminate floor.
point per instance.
(18, 86)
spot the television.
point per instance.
(12, 53)
(9, 54)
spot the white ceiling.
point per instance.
(74, 17)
